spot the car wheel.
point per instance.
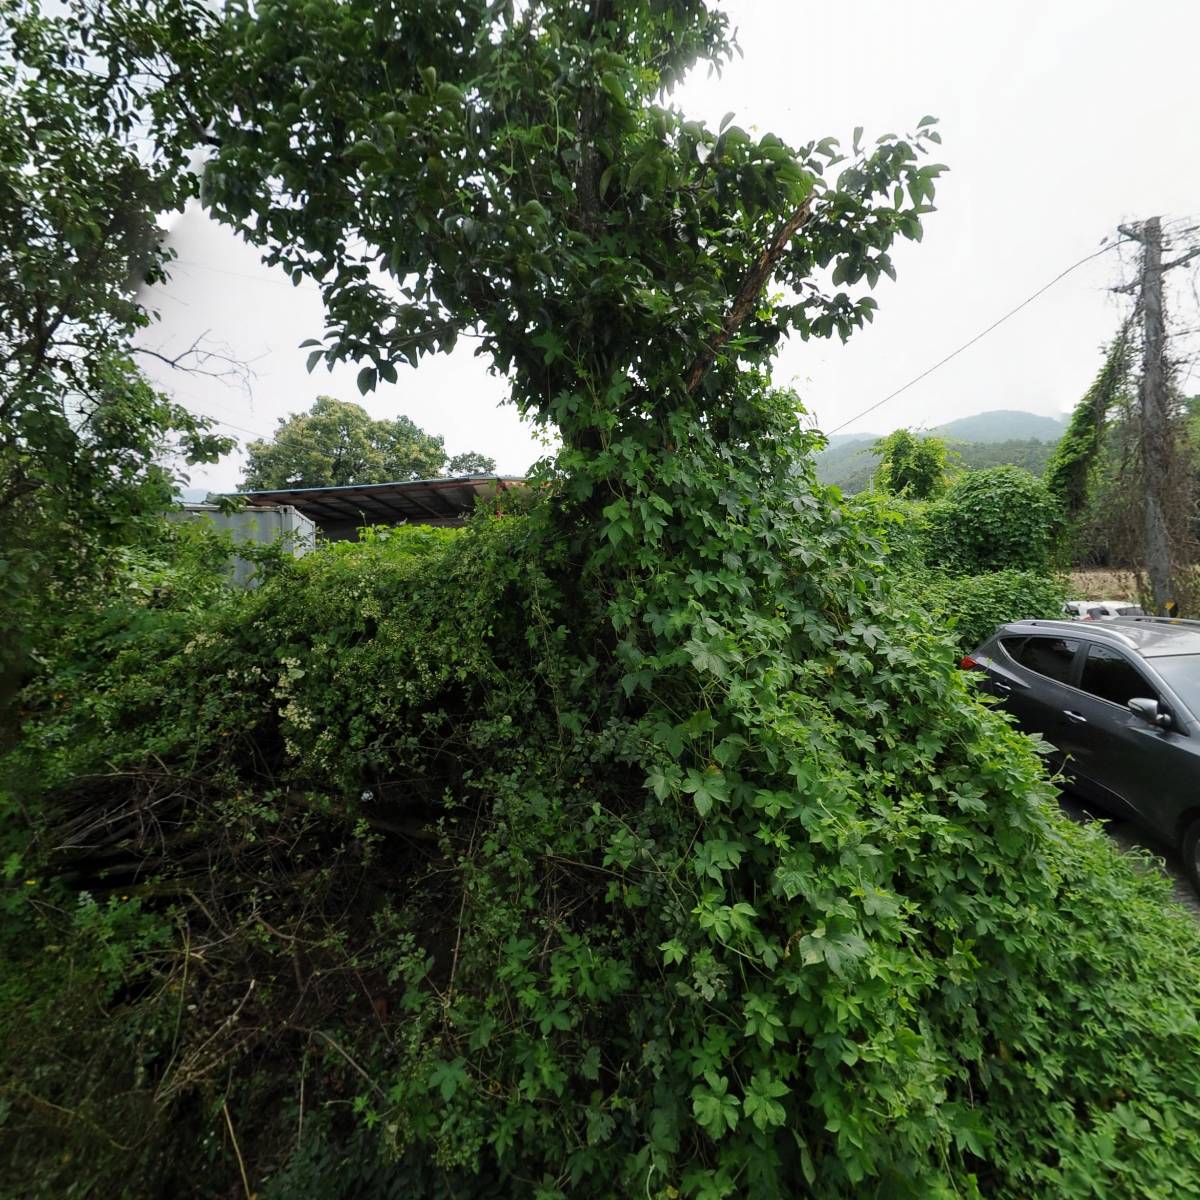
(1191, 854)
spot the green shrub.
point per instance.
(971, 606)
(912, 466)
(645, 844)
(993, 520)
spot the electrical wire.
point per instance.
(979, 336)
(264, 278)
(266, 437)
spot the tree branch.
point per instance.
(1178, 262)
(196, 358)
(747, 295)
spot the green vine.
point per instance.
(1069, 472)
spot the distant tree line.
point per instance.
(337, 443)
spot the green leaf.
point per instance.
(448, 1077)
(673, 951)
(707, 657)
(762, 1100)
(715, 1110)
(706, 788)
(613, 86)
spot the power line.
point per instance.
(266, 437)
(197, 266)
(967, 345)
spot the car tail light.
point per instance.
(968, 663)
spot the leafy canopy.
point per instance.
(515, 173)
(87, 449)
(337, 443)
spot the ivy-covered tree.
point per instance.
(640, 843)
(911, 466)
(1071, 467)
(337, 443)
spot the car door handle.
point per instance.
(1074, 717)
(1002, 689)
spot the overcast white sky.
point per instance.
(1059, 120)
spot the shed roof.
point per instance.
(407, 499)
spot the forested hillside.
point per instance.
(990, 439)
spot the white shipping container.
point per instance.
(261, 525)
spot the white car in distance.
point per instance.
(1101, 610)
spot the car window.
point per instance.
(1097, 613)
(1107, 673)
(1131, 610)
(1049, 656)
(1012, 646)
(1182, 673)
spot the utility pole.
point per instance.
(1157, 440)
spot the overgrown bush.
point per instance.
(992, 520)
(972, 606)
(471, 882)
(911, 466)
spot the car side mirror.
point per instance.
(1148, 710)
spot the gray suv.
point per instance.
(1119, 703)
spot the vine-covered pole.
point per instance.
(1156, 442)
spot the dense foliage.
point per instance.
(642, 843)
(972, 606)
(970, 600)
(1077, 455)
(453, 902)
(83, 439)
(911, 466)
(337, 443)
(992, 520)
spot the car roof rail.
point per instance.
(1087, 629)
(1151, 619)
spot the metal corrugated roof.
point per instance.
(415, 499)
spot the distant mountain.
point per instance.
(850, 465)
(1003, 425)
(845, 439)
(984, 440)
